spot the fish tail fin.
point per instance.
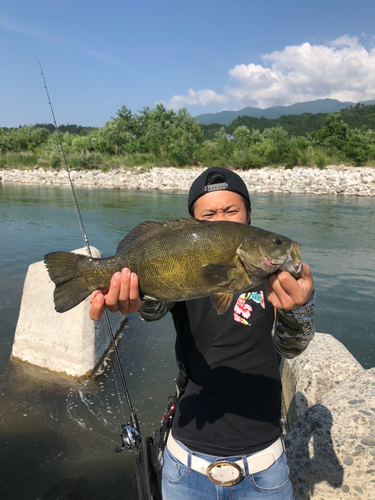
(71, 285)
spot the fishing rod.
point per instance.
(130, 435)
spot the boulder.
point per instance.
(69, 343)
(331, 450)
(308, 377)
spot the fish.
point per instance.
(179, 260)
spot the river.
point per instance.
(58, 437)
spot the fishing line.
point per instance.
(130, 438)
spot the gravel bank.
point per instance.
(332, 180)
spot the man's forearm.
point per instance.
(294, 329)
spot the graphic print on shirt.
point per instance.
(243, 310)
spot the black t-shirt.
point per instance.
(232, 402)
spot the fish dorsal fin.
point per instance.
(138, 233)
(183, 222)
(221, 301)
(146, 228)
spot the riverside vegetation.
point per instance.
(165, 138)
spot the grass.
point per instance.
(91, 160)
(19, 160)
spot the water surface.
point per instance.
(58, 437)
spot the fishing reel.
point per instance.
(130, 438)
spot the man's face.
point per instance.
(222, 205)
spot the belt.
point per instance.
(224, 472)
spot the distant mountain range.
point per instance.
(318, 106)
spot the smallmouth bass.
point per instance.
(179, 260)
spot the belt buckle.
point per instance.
(214, 470)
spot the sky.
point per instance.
(206, 56)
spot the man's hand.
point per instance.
(122, 296)
(286, 292)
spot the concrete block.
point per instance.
(69, 342)
(307, 378)
(331, 451)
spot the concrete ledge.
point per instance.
(331, 451)
(329, 401)
(68, 343)
(308, 377)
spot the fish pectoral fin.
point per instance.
(221, 302)
(148, 297)
(218, 274)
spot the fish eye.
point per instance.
(277, 241)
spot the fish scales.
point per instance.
(165, 254)
(179, 260)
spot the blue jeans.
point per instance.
(181, 483)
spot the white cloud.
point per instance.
(22, 28)
(204, 97)
(101, 55)
(342, 69)
(26, 29)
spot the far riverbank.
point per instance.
(331, 180)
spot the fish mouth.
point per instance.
(268, 262)
(296, 269)
(292, 264)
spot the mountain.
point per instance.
(318, 106)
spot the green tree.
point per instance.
(174, 136)
(242, 137)
(333, 133)
(129, 122)
(5, 143)
(224, 145)
(27, 138)
(357, 148)
(278, 144)
(116, 138)
(185, 137)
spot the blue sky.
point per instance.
(205, 55)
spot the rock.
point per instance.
(334, 180)
(319, 369)
(330, 404)
(331, 450)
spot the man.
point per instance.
(225, 440)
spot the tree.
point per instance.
(127, 121)
(117, 137)
(278, 144)
(169, 134)
(357, 148)
(4, 141)
(26, 138)
(185, 137)
(242, 137)
(333, 133)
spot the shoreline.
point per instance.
(331, 180)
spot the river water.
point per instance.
(58, 437)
